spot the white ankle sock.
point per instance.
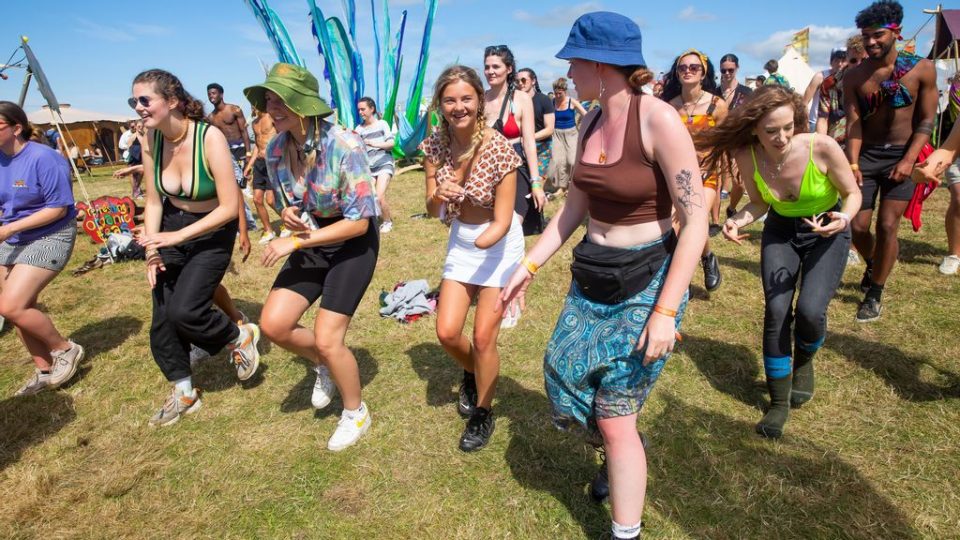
(356, 413)
(624, 532)
(184, 386)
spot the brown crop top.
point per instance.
(632, 190)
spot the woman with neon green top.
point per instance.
(806, 188)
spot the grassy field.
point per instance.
(874, 455)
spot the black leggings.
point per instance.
(183, 298)
(789, 253)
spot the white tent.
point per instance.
(73, 115)
(797, 72)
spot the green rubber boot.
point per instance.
(802, 390)
(771, 425)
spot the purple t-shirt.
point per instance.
(36, 178)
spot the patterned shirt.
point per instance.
(339, 184)
(497, 158)
(776, 78)
(831, 106)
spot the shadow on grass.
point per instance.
(298, 399)
(751, 265)
(712, 476)
(101, 337)
(439, 370)
(915, 251)
(545, 459)
(730, 368)
(27, 421)
(900, 371)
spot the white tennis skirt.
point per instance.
(491, 267)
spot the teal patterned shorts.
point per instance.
(591, 368)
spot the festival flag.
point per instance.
(42, 84)
(801, 42)
(910, 46)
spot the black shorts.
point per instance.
(876, 162)
(337, 274)
(260, 178)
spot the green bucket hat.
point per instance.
(296, 86)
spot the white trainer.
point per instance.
(266, 237)
(950, 265)
(350, 429)
(323, 388)
(386, 226)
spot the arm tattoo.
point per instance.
(688, 199)
(925, 128)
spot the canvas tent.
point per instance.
(89, 129)
(945, 43)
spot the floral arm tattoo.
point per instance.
(688, 199)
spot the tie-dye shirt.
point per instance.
(340, 183)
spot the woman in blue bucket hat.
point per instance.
(620, 320)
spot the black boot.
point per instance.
(600, 486)
(479, 429)
(802, 388)
(711, 271)
(467, 395)
(771, 425)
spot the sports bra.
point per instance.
(629, 191)
(817, 193)
(203, 187)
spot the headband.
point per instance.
(703, 57)
(894, 27)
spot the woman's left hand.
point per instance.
(539, 198)
(838, 222)
(244, 247)
(276, 250)
(5, 232)
(160, 240)
(659, 336)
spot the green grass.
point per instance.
(873, 456)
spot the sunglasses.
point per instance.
(523, 80)
(495, 50)
(692, 68)
(726, 71)
(142, 100)
(853, 61)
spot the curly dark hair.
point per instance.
(671, 84)
(880, 13)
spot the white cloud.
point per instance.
(692, 14)
(822, 40)
(557, 17)
(149, 29)
(99, 31)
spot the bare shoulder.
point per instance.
(214, 135)
(824, 146)
(660, 116)
(742, 156)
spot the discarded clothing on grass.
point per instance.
(409, 301)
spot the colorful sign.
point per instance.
(113, 215)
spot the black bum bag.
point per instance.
(610, 275)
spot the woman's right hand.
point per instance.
(732, 232)
(291, 219)
(932, 168)
(154, 266)
(516, 290)
(449, 191)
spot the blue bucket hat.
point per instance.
(605, 37)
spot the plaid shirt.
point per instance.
(339, 184)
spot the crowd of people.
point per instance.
(644, 170)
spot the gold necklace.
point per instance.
(603, 152)
(775, 170)
(182, 136)
(689, 112)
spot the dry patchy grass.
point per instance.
(873, 456)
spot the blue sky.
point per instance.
(91, 49)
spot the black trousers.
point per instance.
(183, 298)
(796, 262)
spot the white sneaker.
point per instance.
(349, 429)
(266, 237)
(196, 355)
(852, 258)
(950, 265)
(285, 232)
(323, 388)
(37, 383)
(386, 226)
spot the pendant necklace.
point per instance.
(603, 152)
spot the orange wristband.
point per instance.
(297, 243)
(531, 266)
(664, 311)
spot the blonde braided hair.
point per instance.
(449, 76)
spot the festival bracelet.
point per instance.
(841, 215)
(854, 166)
(152, 253)
(665, 311)
(297, 243)
(531, 266)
